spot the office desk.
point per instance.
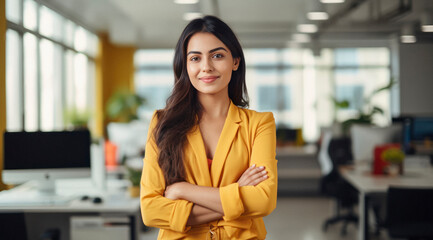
(298, 170)
(297, 161)
(293, 151)
(369, 185)
(116, 203)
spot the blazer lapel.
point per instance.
(228, 133)
(196, 142)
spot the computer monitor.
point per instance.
(418, 135)
(366, 137)
(46, 156)
(422, 129)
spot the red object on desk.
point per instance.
(110, 154)
(379, 163)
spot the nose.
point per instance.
(207, 66)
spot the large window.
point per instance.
(154, 78)
(49, 68)
(358, 72)
(274, 77)
(295, 85)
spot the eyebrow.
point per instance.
(210, 51)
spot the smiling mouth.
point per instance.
(208, 79)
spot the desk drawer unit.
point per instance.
(97, 227)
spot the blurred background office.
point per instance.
(322, 67)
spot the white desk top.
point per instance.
(362, 179)
(293, 151)
(416, 174)
(115, 199)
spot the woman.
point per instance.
(209, 170)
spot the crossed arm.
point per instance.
(179, 206)
(207, 203)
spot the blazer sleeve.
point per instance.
(259, 200)
(158, 211)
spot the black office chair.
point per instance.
(13, 226)
(410, 213)
(335, 186)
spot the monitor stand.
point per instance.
(46, 186)
(45, 192)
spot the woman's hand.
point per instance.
(175, 190)
(253, 176)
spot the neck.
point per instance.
(214, 106)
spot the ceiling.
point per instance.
(258, 23)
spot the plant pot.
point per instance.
(134, 191)
(394, 169)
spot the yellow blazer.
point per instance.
(247, 138)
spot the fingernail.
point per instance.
(264, 172)
(266, 176)
(253, 165)
(262, 167)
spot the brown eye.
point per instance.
(194, 59)
(217, 55)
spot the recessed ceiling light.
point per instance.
(192, 15)
(317, 15)
(332, 1)
(408, 39)
(408, 33)
(426, 21)
(301, 38)
(307, 28)
(186, 1)
(427, 28)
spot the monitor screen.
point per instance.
(46, 155)
(417, 134)
(40, 150)
(422, 129)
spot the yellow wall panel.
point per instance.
(2, 84)
(114, 71)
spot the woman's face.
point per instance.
(209, 64)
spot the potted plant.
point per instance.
(122, 106)
(76, 119)
(365, 113)
(134, 168)
(125, 130)
(394, 157)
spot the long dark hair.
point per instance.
(183, 110)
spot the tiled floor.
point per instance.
(298, 218)
(301, 219)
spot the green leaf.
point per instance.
(122, 106)
(134, 176)
(76, 118)
(377, 110)
(391, 83)
(393, 155)
(340, 104)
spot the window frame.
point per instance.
(21, 30)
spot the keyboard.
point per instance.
(27, 196)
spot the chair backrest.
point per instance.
(340, 151)
(13, 226)
(334, 152)
(410, 212)
(323, 156)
